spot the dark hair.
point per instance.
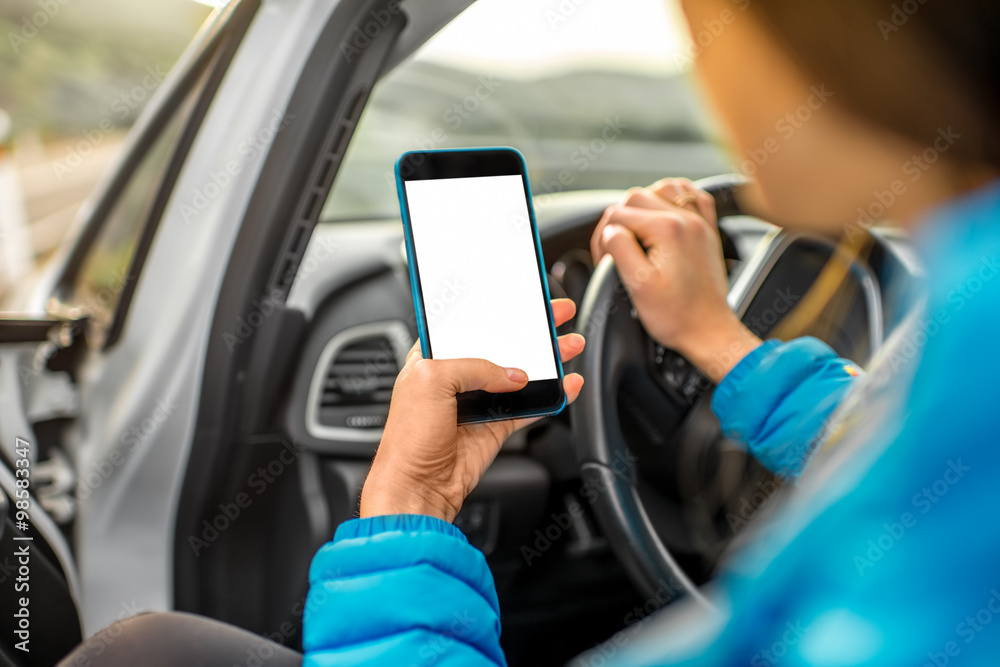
(915, 67)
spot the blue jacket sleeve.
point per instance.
(777, 399)
(399, 590)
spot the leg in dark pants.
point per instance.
(178, 640)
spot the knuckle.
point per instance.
(704, 197)
(690, 219)
(422, 370)
(479, 367)
(616, 235)
(634, 196)
(609, 216)
(672, 224)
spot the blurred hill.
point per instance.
(65, 75)
(67, 68)
(656, 126)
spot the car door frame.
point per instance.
(298, 172)
(245, 374)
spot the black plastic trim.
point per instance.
(264, 254)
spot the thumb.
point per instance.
(461, 375)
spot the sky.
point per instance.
(552, 34)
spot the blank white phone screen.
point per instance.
(478, 272)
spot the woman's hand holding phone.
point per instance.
(665, 241)
(427, 463)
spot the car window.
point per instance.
(596, 95)
(104, 271)
(111, 257)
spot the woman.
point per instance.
(886, 552)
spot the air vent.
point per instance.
(350, 392)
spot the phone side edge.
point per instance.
(545, 288)
(411, 263)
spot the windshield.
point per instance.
(595, 93)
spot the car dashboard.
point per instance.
(353, 288)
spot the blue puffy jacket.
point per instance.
(884, 551)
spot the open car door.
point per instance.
(39, 617)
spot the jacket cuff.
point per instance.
(777, 399)
(726, 391)
(395, 523)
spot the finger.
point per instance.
(706, 206)
(570, 345)
(563, 311)
(635, 197)
(622, 244)
(414, 355)
(597, 248)
(645, 198)
(651, 228)
(670, 184)
(599, 241)
(672, 188)
(572, 385)
(454, 376)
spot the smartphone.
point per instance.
(477, 274)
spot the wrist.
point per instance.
(383, 496)
(717, 349)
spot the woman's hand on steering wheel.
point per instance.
(665, 242)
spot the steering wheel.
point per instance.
(662, 397)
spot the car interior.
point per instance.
(585, 516)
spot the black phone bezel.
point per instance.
(539, 397)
